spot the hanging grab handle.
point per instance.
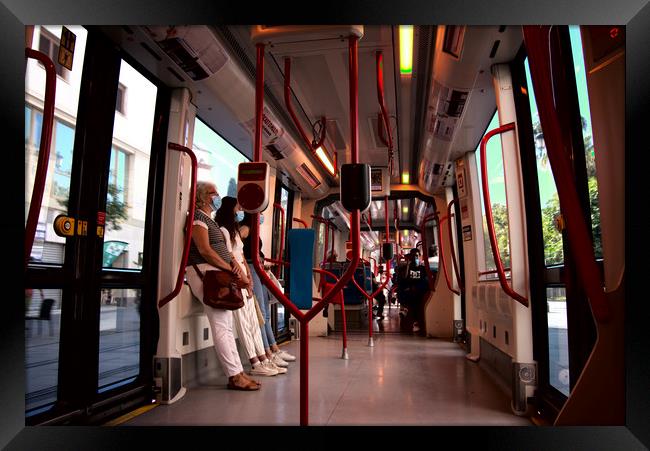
(44, 149)
(490, 220)
(461, 283)
(441, 255)
(188, 225)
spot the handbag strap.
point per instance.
(196, 268)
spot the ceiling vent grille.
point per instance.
(308, 176)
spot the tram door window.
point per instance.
(123, 247)
(90, 298)
(496, 180)
(43, 303)
(279, 317)
(564, 329)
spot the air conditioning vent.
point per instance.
(495, 47)
(193, 49)
(453, 42)
(308, 176)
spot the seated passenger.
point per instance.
(208, 251)
(381, 297)
(248, 318)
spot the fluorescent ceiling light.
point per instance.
(406, 49)
(324, 157)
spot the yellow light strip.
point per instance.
(405, 178)
(406, 49)
(324, 158)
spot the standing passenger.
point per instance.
(246, 318)
(273, 352)
(208, 251)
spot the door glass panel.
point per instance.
(496, 179)
(48, 247)
(549, 200)
(587, 136)
(128, 180)
(119, 337)
(558, 344)
(42, 332)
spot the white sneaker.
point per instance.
(259, 369)
(279, 361)
(284, 355)
(270, 364)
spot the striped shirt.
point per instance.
(215, 236)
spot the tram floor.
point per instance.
(402, 380)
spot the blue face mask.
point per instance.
(239, 216)
(216, 202)
(416, 261)
(261, 219)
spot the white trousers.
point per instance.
(248, 327)
(220, 325)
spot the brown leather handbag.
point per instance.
(220, 289)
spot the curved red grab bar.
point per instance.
(379, 59)
(301, 222)
(43, 150)
(536, 41)
(425, 251)
(355, 227)
(489, 218)
(461, 283)
(188, 224)
(312, 146)
(276, 262)
(279, 207)
(441, 256)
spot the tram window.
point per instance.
(585, 117)
(497, 187)
(218, 159)
(558, 340)
(119, 337)
(48, 247)
(42, 336)
(128, 178)
(549, 200)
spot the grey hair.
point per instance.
(202, 189)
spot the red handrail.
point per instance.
(488, 214)
(461, 283)
(492, 272)
(441, 255)
(425, 250)
(304, 224)
(43, 150)
(370, 297)
(311, 145)
(383, 116)
(188, 224)
(354, 216)
(536, 41)
(279, 206)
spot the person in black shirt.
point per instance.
(411, 288)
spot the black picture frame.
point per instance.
(634, 14)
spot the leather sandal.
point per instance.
(243, 384)
(246, 377)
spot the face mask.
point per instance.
(239, 216)
(261, 219)
(216, 202)
(416, 261)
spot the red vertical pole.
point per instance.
(304, 372)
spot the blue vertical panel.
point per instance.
(301, 244)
